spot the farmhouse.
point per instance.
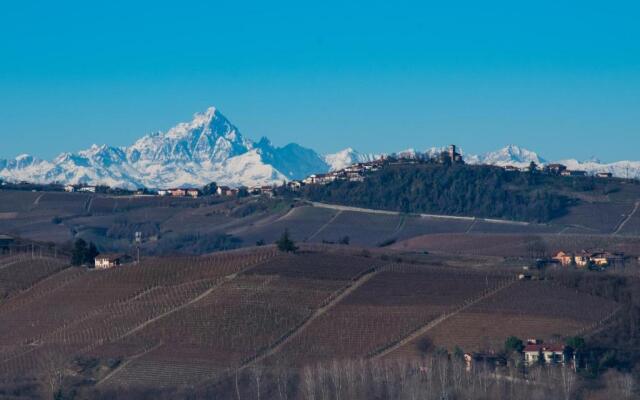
(585, 259)
(563, 258)
(69, 188)
(604, 175)
(552, 353)
(177, 192)
(555, 169)
(604, 258)
(193, 193)
(104, 261)
(163, 192)
(226, 191)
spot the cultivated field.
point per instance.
(526, 309)
(18, 273)
(517, 245)
(395, 302)
(185, 321)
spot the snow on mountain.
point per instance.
(509, 155)
(292, 160)
(520, 157)
(346, 157)
(620, 169)
(208, 148)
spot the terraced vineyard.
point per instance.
(21, 272)
(77, 310)
(527, 309)
(394, 303)
(517, 245)
(184, 321)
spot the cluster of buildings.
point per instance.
(585, 259)
(534, 352)
(80, 188)
(357, 172)
(225, 191)
(179, 192)
(556, 170)
(352, 173)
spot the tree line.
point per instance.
(481, 191)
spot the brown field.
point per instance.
(392, 304)
(527, 309)
(21, 272)
(182, 321)
(516, 245)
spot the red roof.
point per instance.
(535, 348)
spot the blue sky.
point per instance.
(561, 78)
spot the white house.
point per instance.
(552, 353)
(104, 261)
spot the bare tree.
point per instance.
(237, 386)
(567, 382)
(52, 366)
(309, 387)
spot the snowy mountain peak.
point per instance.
(511, 155)
(210, 148)
(346, 157)
(207, 148)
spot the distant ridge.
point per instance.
(210, 148)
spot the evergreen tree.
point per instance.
(83, 253)
(541, 359)
(513, 344)
(91, 254)
(209, 189)
(79, 252)
(285, 243)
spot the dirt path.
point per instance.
(471, 226)
(624, 221)
(324, 226)
(125, 363)
(432, 324)
(399, 227)
(87, 206)
(37, 201)
(288, 337)
(439, 216)
(171, 311)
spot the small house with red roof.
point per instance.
(552, 353)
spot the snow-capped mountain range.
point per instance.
(209, 148)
